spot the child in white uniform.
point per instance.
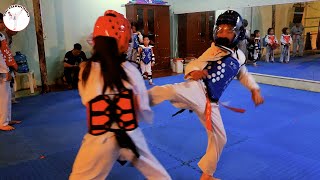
(254, 48)
(216, 67)
(6, 61)
(286, 42)
(5, 90)
(272, 44)
(146, 58)
(116, 99)
(136, 40)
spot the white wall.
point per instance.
(65, 23)
(69, 22)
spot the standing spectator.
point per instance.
(6, 61)
(243, 43)
(254, 47)
(297, 37)
(272, 44)
(146, 58)
(136, 40)
(286, 41)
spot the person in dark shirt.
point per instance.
(72, 59)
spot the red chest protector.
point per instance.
(104, 110)
(8, 57)
(286, 38)
(272, 39)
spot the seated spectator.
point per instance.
(72, 59)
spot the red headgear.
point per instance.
(114, 24)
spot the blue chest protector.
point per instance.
(146, 55)
(136, 42)
(220, 74)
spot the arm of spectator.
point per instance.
(282, 40)
(83, 56)
(66, 65)
(140, 37)
(65, 62)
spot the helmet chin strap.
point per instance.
(227, 47)
(231, 50)
(225, 42)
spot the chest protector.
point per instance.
(104, 110)
(6, 52)
(220, 74)
(257, 42)
(135, 39)
(286, 38)
(272, 39)
(146, 54)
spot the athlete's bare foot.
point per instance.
(6, 128)
(207, 177)
(12, 122)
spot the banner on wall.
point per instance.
(16, 17)
(147, 2)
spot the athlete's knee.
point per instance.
(159, 94)
(222, 138)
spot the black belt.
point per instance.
(125, 141)
(212, 100)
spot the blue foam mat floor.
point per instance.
(307, 67)
(278, 140)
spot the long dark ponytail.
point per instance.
(107, 54)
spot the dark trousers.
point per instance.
(71, 75)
